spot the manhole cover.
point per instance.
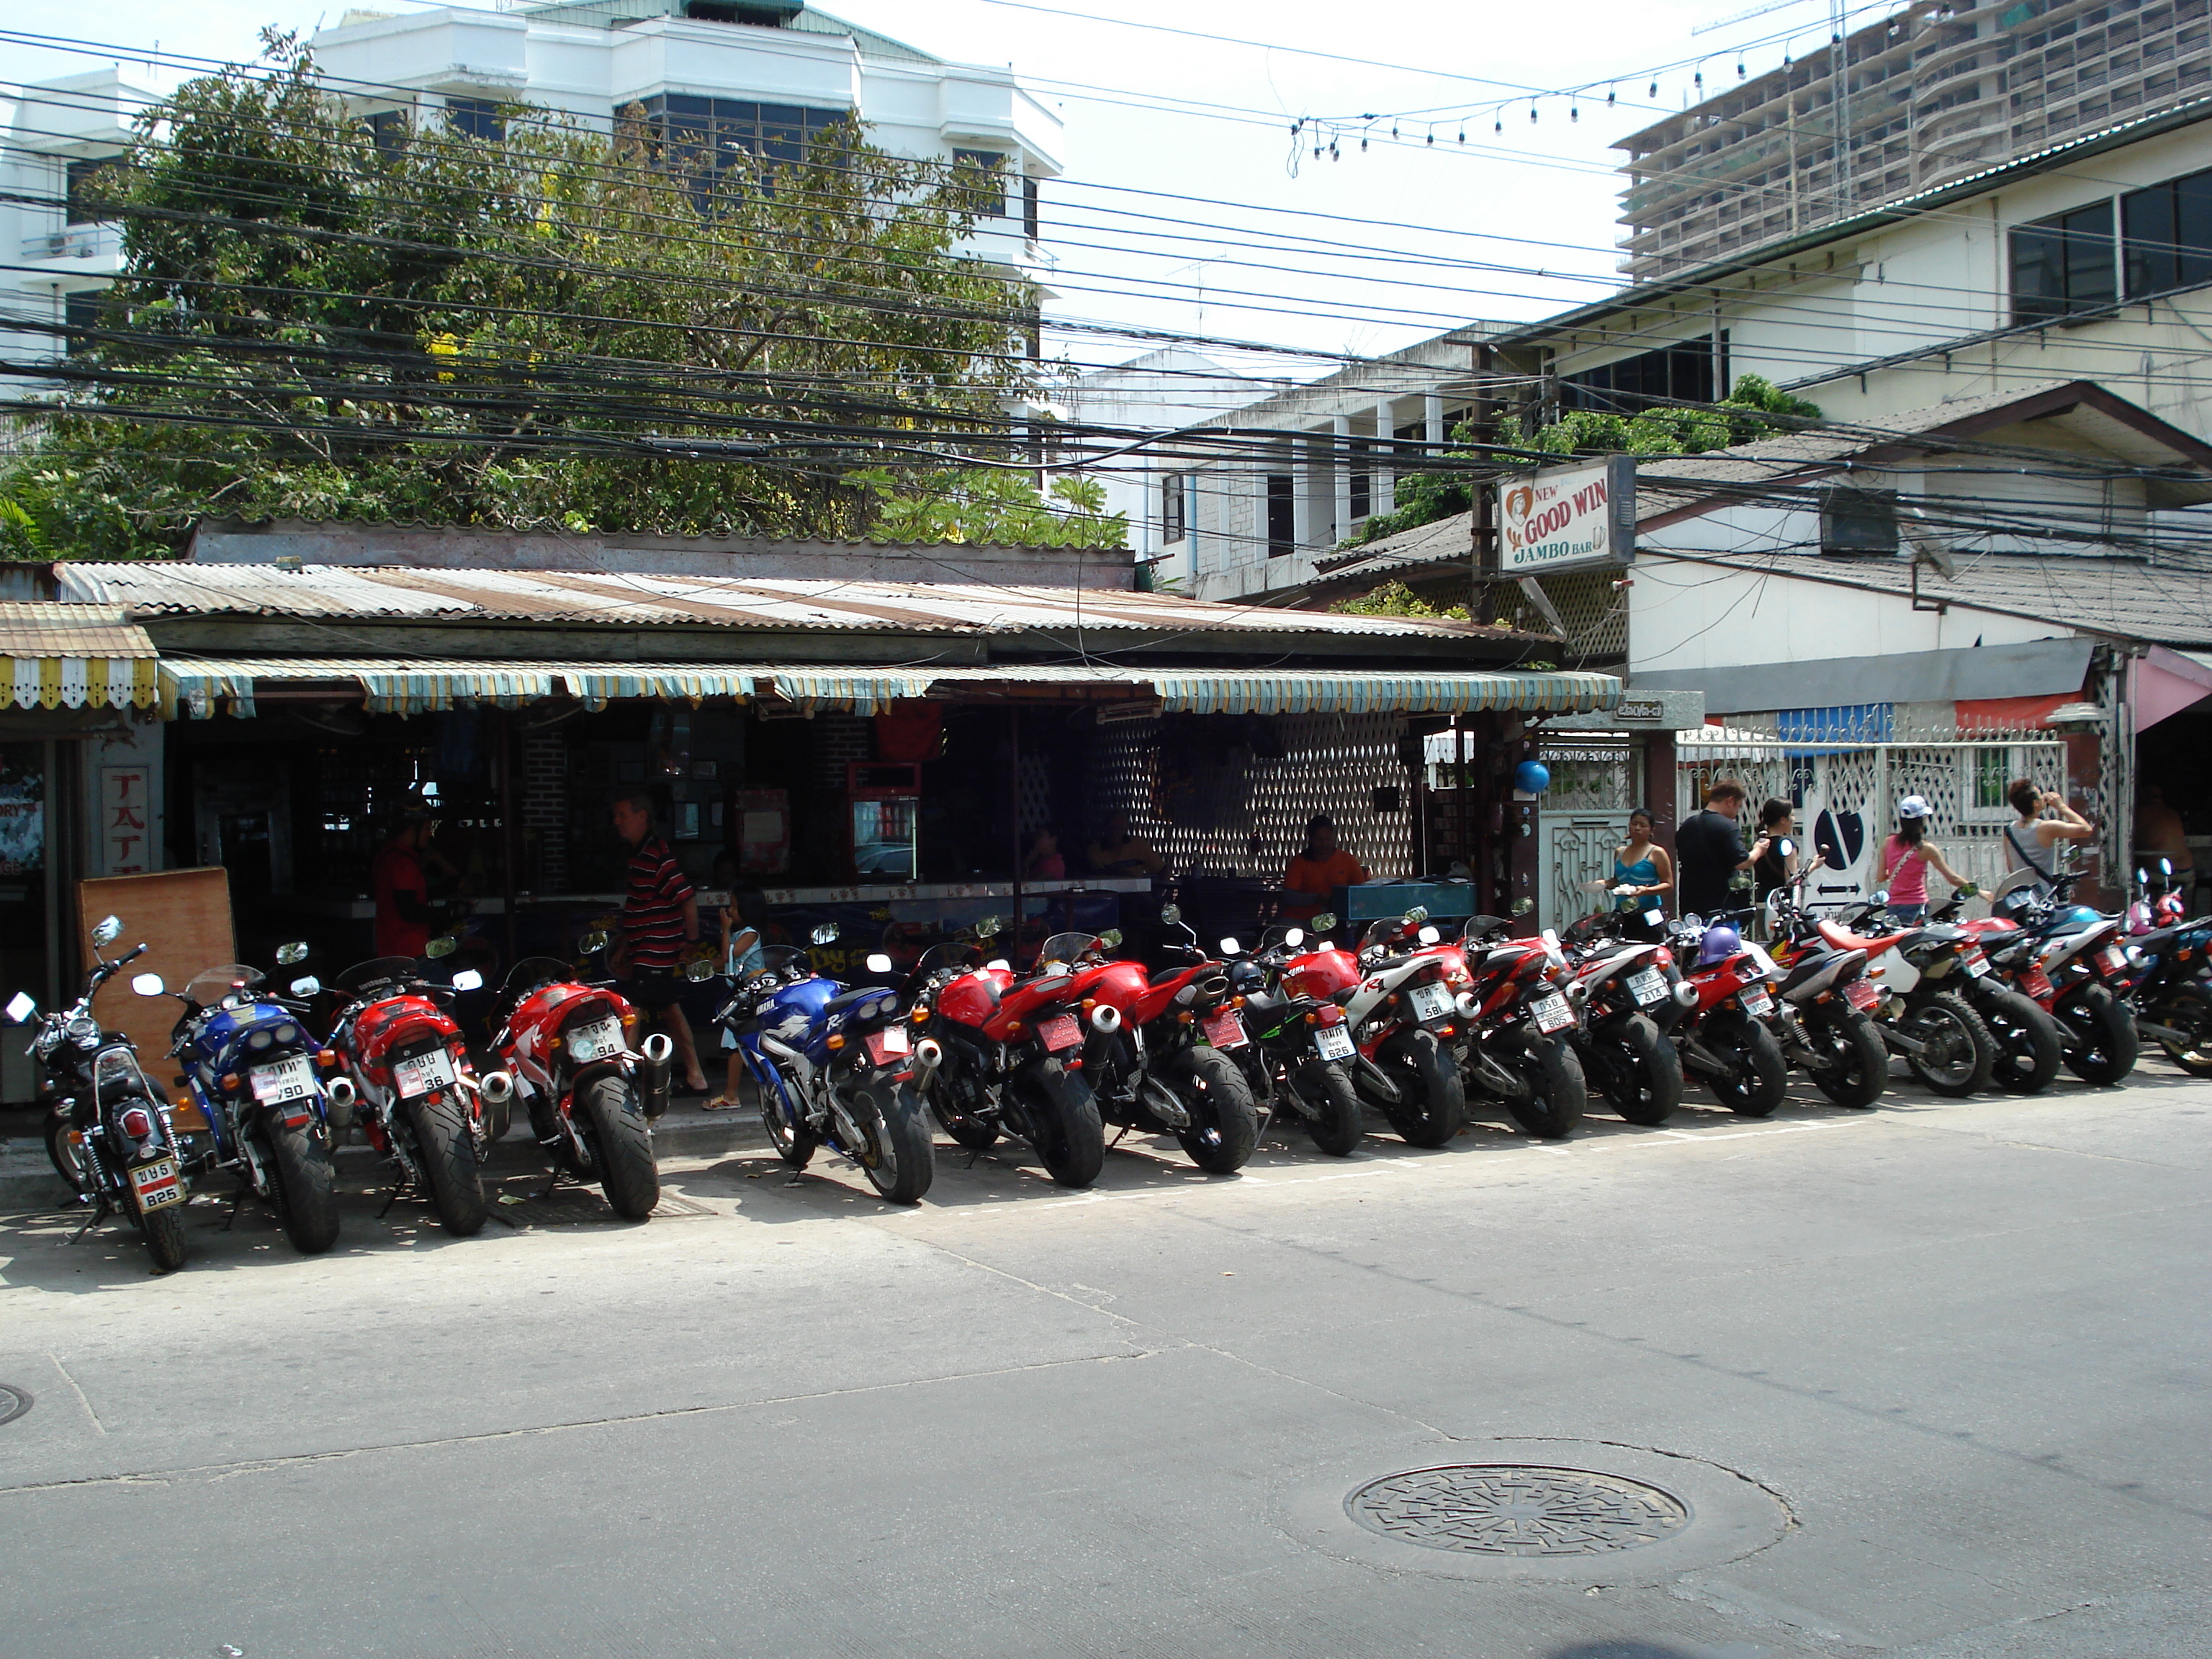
(1516, 1510)
(14, 1402)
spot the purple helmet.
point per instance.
(1720, 942)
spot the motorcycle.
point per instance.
(2172, 1005)
(1516, 1004)
(2071, 961)
(1402, 1012)
(833, 1067)
(1625, 987)
(1824, 1004)
(1299, 1060)
(1160, 1055)
(2028, 1046)
(591, 1097)
(1722, 1032)
(256, 1076)
(406, 1074)
(994, 1055)
(109, 1131)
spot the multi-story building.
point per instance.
(1922, 97)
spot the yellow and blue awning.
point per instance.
(73, 656)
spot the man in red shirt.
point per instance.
(659, 916)
(1323, 868)
(401, 890)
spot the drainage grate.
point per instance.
(14, 1402)
(1516, 1510)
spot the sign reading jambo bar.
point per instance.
(1567, 518)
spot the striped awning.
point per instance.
(196, 688)
(74, 656)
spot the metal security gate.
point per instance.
(1584, 817)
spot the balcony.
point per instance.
(75, 251)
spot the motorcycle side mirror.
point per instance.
(288, 954)
(1429, 936)
(1230, 947)
(1653, 917)
(444, 946)
(989, 926)
(2166, 867)
(306, 984)
(879, 963)
(22, 1006)
(146, 985)
(467, 980)
(999, 965)
(1170, 914)
(2142, 877)
(593, 942)
(1109, 938)
(110, 930)
(1522, 907)
(1880, 896)
(1297, 935)
(693, 971)
(824, 934)
(1325, 922)
(1417, 916)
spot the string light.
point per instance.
(1608, 97)
(1573, 114)
(1652, 90)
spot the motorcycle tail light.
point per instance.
(835, 1044)
(230, 1082)
(327, 1058)
(1665, 958)
(137, 1123)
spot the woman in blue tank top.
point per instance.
(1641, 865)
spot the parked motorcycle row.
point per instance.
(1404, 1026)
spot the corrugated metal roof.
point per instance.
(44, 627)
(156, 589)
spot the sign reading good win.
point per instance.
(1567, 518)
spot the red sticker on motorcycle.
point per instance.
(1060, 1032)
(1861, 995)
(2036, 982)
(1225, 1028)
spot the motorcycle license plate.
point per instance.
(1976, 963)
(1861, 995)
(287, 1079)
(2036, 982)
(1647, 986)
(2116, 960)
(157, 1185)
(1552, 1013)
(1758, 1003)
(420, 1073)
(1225, 1028)
(1333, 1042)
(600, 1039)
(1430, 1002)
(1060, 1032)
(892, 1040)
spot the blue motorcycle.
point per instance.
(834, 1068)
(253, 1070)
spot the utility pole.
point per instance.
(1482, 548)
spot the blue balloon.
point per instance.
(1532, 777)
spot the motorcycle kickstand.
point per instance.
(397, 1191)
(237, 1203)
(98, 1216)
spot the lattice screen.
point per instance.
(1329, 763)
(1595, 611)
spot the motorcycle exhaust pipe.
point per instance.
(1105, 1020)
(497, 1088)
(1467, 1004)
(928, 1055)
(657, 1054)
(338, 1098)
(1685, 995)
(2164, 1034)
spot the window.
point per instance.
(1858, 520)
(389, 130)
(1173, 523)
(2063, 266)
(1032, 218)
(82, 191)
(1681, 374)
(708, 137)
(475, 117)
(2169, 231)
(1363, 477)
(980, 176)
(1282, 516)
(79, 311)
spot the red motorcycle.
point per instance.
(1723, 1036)
(994, 1054)
(1403, 1012)
(590, 1095)
(405, 1073)
(1160, 1056)
(1517, 1004)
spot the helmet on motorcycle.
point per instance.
(1720, 942)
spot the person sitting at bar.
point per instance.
(1122, 852)
(1319, 870)
(659, 914)
(401, 887)
(1043, 862)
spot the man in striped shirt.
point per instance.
(660, 915)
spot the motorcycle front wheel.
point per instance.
(2026, 1039)
(446, 1147)
(794, 1143)
(1431, 1104)
(2105, 1043)
(898, 1160)
(2188, 1010)
(1641, 1077)
(1225, 1124)
(1958, 1053)
(1064, 1123)
(1859, 1060)
(1325, 1085)
(1762, 1074)
(622, 1146)
(303, 1187)
(67, 1164)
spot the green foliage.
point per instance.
(474, 331)
(1689, 430)
(992, 504)
(1395, 599)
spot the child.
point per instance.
(741, 955)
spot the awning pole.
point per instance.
(1014, 815)
(506, 838)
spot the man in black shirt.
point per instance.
(1709, 850)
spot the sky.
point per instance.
(1357, 251)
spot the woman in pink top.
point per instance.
(1906, 857)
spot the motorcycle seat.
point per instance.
(1842, 939)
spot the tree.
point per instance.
(1395, 599)
(318, 320)
(992, 504)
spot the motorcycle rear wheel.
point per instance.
(1557, 1092)
(446, 1147)
(68, 1164)
(1642, 1078)
(165, 1237)
(2106, 1045)
(622, 1146)
(1969, 1053)
(899, 1161)
(1324, 1084)
(1431, 1105)
(2026, 1038)
(1065, 1126)
(303, 1188)
(1224, 1123)
(1762, 1075)
(1861, 1071)
(2190, 1010)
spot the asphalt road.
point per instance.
(1931, 1380)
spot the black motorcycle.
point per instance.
(109, 1130)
